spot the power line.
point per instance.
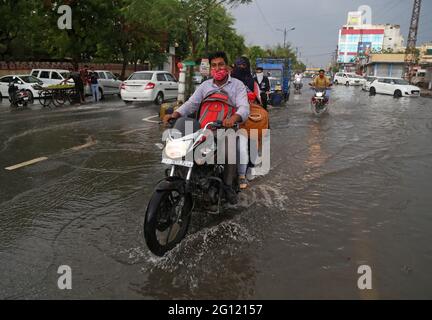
(263, 16)
(390, 10)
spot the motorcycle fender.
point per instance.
(171, 184)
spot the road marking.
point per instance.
(151, 121)
(90, 142)
(133, 131)
(27, 163)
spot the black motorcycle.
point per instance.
(188, 184)
(18, 98)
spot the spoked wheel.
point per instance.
(45, 99)
(60, 98)
(167, 220)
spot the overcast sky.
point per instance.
(317, 22)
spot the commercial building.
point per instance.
(385, 65)
(359, 38)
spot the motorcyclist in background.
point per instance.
(264, 85)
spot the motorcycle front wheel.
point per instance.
(167, 220)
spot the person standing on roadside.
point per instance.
(79, 85)
(94, 83)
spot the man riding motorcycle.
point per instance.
(321, 82)
(238, 99)
(298, 81)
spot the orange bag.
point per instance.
(258, 120)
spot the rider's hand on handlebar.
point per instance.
(231, 122)
(169, 117)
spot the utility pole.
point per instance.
(285, 31)
(412, 40)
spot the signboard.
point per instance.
(354, 18)
(364, 49)
(205, 67)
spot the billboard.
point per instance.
(364, 49)
(355, 18)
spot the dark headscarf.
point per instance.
(244, 75)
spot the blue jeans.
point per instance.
(95, 92)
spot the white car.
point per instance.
(156, 86)
(368, 82)
(108, 84)
(25, 82)
(396, 87)
(51, 76)
(348, 79)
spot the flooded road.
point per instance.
(345, 190)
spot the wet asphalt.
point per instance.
(347, 189)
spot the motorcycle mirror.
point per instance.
(160, 146)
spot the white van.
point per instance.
(51, 76)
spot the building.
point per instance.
(385, 65)
(359, 38)
(425, 63)
(425, 51)
(393, 39)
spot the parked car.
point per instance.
(51, 76)
(368, 82)
(394, 86)
(26, 82)
(108, 84)
(156, 86)
(197, 78)
(348, 79)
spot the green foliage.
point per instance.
(125, 31)
(278, 51)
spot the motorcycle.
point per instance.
(187, 184)
(320, 101)
(298, 86)
(18, 98)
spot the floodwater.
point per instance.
(347, 189)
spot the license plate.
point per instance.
(180, 163)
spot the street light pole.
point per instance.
(285, 31)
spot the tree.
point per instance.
(255, 52)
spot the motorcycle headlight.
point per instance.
(177, 149)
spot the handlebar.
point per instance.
(219, 125)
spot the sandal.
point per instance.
(243, 183)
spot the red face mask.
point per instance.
(321, 76)
(220, 74)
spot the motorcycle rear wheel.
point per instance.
(167, 220)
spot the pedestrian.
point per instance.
(79, 84)
(264, 85)
(94, 83)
